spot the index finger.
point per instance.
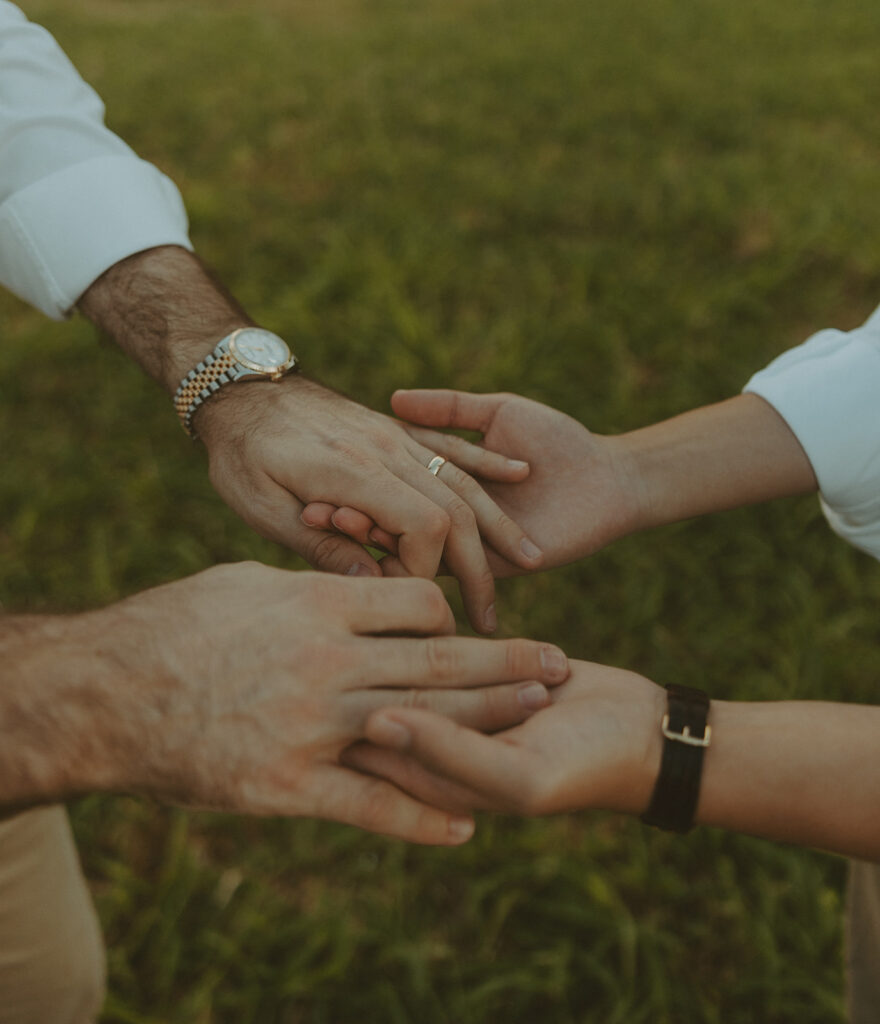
(449, 661)
(403, 605)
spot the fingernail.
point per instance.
(517, 464)
(554, 662)
(460, 829)
(533, 696)
(358, 569)
(529, 549)
(388, 733)
(490, 619)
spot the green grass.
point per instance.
(621, 209)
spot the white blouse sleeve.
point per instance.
(828, 391)
(74, 199)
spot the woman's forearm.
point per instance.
(718, 457)
(804, 772)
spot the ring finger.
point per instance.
(463, 552)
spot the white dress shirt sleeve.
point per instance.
(74, 199)
(828, 391)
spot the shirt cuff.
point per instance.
(60, 234)
(826, 390)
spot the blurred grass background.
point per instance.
(620, 209)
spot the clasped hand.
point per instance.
(597, 746)
(275, 674)
(581, 490)
(273, 449)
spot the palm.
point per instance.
(576, 747)
(595, 746)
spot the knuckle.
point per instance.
(502, 523)
(436, 523)
(461, 515)
(386, 443)
(492, 704)
(441, 658)
(323, 659)
(484, 579)
(432, 600)
(518, 657)
(323, 593)
(323, 551)
(417, 699)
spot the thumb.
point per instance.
(444, 408)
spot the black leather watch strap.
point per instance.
(686, 735)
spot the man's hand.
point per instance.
(275, 446)
(237, 689)
(579, 495)
(597, 746)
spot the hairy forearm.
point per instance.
(59, 680)
(89, 703)
(165, 309)
(722, 456)
(804, 772)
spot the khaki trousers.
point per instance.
(51, 952)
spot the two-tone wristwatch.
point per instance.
(250, 353)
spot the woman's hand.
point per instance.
(598, 745)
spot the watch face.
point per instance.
(258, 349)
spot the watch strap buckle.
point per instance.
(685, 735)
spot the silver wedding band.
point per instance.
(435, 464)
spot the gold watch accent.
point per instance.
(250, 353)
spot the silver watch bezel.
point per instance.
(268, 369)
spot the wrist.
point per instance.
(234, 411)
(718, 457)
(686, 736)
(247, 355)
(633, 711)
(646, 751)
(633, 508)
(660, 486)
(164, 308)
